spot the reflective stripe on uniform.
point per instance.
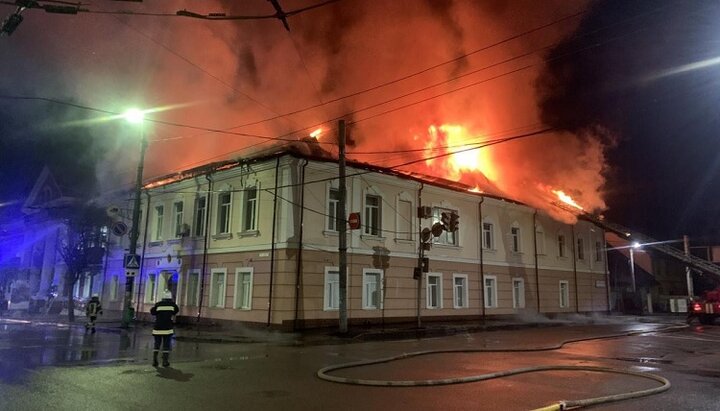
(163, 332)
(165, 308)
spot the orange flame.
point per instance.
(458, 140)
(316, 134)
(567, 199)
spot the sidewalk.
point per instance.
(244, 334)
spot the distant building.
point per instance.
(256, 240)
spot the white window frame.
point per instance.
(518, 289)
(598, 251)
(252, 206)
(327, 289)
(239, 273)
(561, 244)
(488, 235)
(515, 238)
(367, 274)
(404, 224)
(114, 287)
(368, 229)
(446, 238)
(151, 288)
(494, 290)
(464, 290)
(159, 217)
(540, 240)
(580, 248)
(187, 292)
(179, 215)
(221, 299)
(224, 209)
(332, 208)
(199, 216)
(564, 293)
(428, 302)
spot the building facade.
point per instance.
(257, 242)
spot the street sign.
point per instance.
(119, 228)
(132, 261)
(354, 221)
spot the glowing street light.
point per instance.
(134, 115)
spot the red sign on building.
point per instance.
(354, 221)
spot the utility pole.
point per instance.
(341, 222)
(421, 257)
(688, 274)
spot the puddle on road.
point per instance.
(644, 360)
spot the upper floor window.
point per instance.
(561, 245)
(515, 238)
(598, 251)
(540, 240)
(224, 208)
(446, 237)
(200, 212)
(251, 209)
(404, 220)
(333, 208)
(488, 240)
(178, 210)
(580, 248)
(159, 214)
(373, 218)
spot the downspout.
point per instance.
(298, 263)
(272, 240)
(482, 266)
(537, 271)
(142, 258)
(105, 264)
(607, 273)
(208, 210)
(574, 259)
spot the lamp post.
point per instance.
(134, 116)
(632, 263)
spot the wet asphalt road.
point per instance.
(46, 366)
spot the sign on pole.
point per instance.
(132, 261)
(354, 221)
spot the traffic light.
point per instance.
(454, 223)
(425, 265)
(445, 219)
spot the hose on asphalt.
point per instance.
(323, 373)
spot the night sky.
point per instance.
(631, 86)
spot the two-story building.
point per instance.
(256, 241)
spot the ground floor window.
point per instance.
(217, 288)
(372, 289)
(564, 294)
(150, 288)
(490, 291)
(243, 288)
(460, 291)
(434, 290)
(332, 288)
(192, 288)
(168, 281)
(518, 293)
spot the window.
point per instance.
(490, 291)
(150, 288)
(561, 245)
(580, 249)
(404, 220)
(178, 208)
(598, 251)
(460, 291)
(243, 288)
(200, 210)
(217, 288)
(251, 204)
(434, 290)
(564, 294)
(518, 293)
(114, 286)
(372, 214)
(540, 240)
(446, 237)
(159, 211)
(515, 238)
(488, 242)
(332, 288)
(372, 289)
(333, 208)
(224, 207)
(192, 290)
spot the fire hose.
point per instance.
(323, 373)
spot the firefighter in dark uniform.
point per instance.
(164, 312)
(92, 310)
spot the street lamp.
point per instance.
(634, 246)
(134, 116)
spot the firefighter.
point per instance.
(164, 312)
(92, 310)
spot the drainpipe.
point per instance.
(482, 267)
(105, 264)
(574, 259)
(208, 210)
(142, 258)
(272, 240)
(537, 271)
(298, 263)
(607, 273)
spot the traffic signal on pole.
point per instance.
(454, 223)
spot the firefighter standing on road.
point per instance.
(164, 312)
(92, 309)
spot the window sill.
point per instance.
(371, 308)
(460, 308)
(369, 237)
(174, 241)
(250, 233)
(222, 236)
(447, 246)
(404, 241)
(330, 309)
(243, 309)
(157, 243)
(489, 250)
(330, 233)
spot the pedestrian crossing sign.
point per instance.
(132, 261)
